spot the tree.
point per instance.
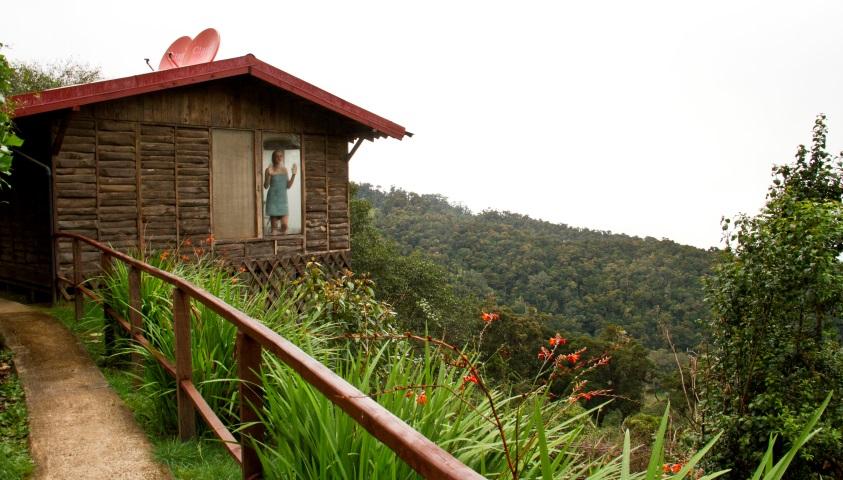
(8, 139)
(20, 77)
(775, 294)
(35, 76)
(420, 290)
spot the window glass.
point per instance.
(281, 178)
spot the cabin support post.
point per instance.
(78, 306)
(184, 364)
(251, 401)
(354, 149)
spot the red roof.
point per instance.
(78, 95)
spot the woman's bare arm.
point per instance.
(266, 178)
(292, 177)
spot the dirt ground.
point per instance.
(79, 428)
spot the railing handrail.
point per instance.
(419, 452)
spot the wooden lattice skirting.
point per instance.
(275, 273)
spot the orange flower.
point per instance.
(470, 378)
(242, 269)
(164, 255)
(410, 394)
(185, 258)
(666, 468)
(422, 398)
(557, 340)
(234, 279)
(572, 358)
(210, 239)
(544, 354)
(490, 317)
(188, 241)
(675, 468)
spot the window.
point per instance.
(233, 183)
(281, 184)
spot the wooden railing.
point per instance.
(424, 456)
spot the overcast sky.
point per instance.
(645, 118)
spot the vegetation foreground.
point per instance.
(15, 461)
(437, 388)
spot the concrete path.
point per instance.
(79, 428)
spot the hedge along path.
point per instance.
(79, 428)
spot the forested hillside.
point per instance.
(585, 279)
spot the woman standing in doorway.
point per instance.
(277, 181)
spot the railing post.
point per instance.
(184, 363)
(109, 333)
(135, 306)
(251, 401)
(77, 280)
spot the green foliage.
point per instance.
(427, 297)
(419, 290)
(308, 437)
(776, 295)
(584, 279)
(15, 462)
(626, 374)
(8, 139)
(196, 459)
(34, 76)
(641, 426)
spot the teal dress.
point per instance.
(276, 196)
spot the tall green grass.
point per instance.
(309, 438)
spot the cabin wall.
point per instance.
(136, 173)
(25, 243)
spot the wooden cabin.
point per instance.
(172, 157)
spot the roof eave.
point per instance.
(79, 95)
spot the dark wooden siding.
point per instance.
(75, 184)
(117, 188)
(193, 180)
(339, 230)
(136, 172)
(244, 102)
(158, 185)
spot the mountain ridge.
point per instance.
(586, 279)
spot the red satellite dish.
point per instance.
(204, 47)
(175, 54)
(184, 51)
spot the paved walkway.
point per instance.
(79, 428)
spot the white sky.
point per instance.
(646, 118)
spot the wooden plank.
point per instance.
(184, 364)
(251, 402)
